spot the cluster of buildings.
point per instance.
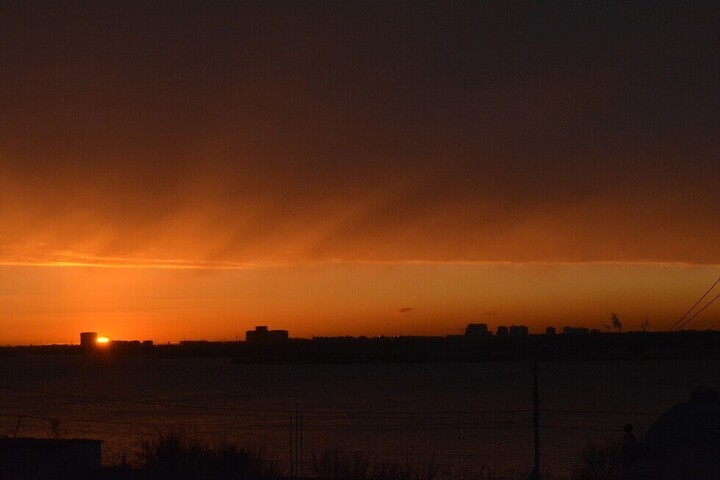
(262, 335)
(90, 341)
(476, 330)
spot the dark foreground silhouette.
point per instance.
(682, 443)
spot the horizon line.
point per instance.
(181, 264)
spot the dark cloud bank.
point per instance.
(292, 131)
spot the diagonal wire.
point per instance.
(693, 307)
(698, 312)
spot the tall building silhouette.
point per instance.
(88, 340)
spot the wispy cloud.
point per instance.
(374, 151)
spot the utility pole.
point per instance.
(296, 444)
(536, 422)
(17, 426)
(301, 447)
(292, 450)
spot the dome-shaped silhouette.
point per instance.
(684, 442)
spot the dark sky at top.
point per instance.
(307, 131)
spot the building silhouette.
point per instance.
(88, 340)
(575, 330)
(518, 331)
(49, 459)
(262, 336)
(476, 330)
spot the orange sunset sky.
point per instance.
(180, 170)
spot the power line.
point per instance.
(440, 395)
(620, 379)
(82, 420)
(693, 307)
(399, 427)
(97, 399)
(598, 412)
(698, 312)
(244, 411)
(404, 420)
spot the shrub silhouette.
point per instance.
(174, 457)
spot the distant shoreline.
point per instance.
(686, 345)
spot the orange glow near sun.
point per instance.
(170, 305)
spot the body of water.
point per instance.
(464, 416)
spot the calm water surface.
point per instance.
(466, 416)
